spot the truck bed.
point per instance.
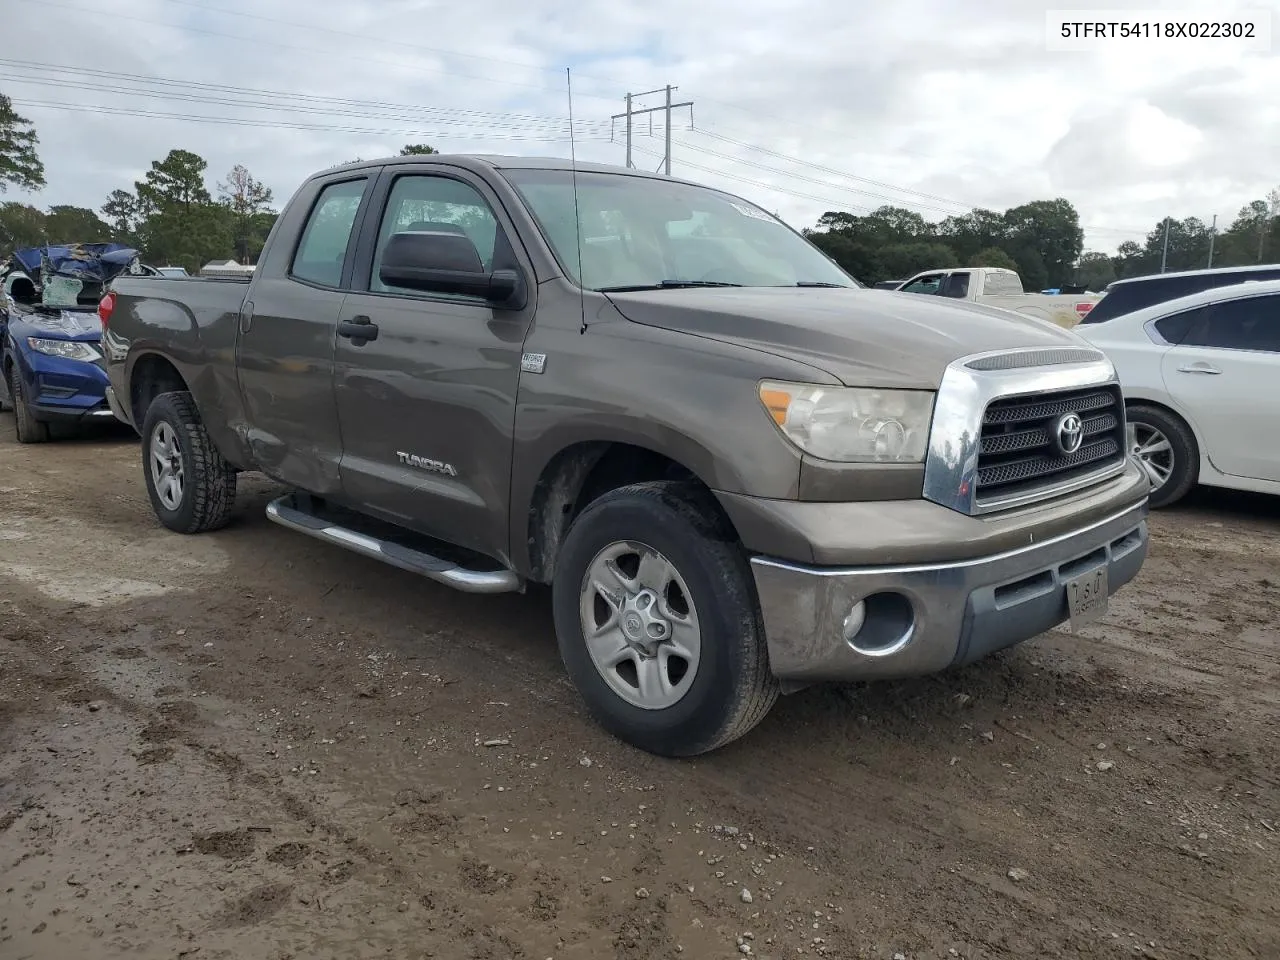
(197, 296)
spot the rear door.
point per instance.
(1226, 372)
(284, 351)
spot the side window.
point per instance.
(323, 247)
(1252, 323)
(957, 286)
(1175, 327)
(927, 285)
(434, 203)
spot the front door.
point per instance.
(284, 349)
(427, 409)
(1226, 372)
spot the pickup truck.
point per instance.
(999, 287)
(740, 471)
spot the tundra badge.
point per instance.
(435, 466)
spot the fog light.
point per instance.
(854, 621)
(880, 625)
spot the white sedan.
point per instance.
(1201, 380)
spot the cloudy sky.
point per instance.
(804, 107)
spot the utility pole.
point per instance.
(1213, 235)
(1164, 257)
(667, 151)
(666, 108)
(629, 131)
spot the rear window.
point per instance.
(1127, 296)
(1002, 285)
(1175, 327)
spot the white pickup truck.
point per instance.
(998, 287)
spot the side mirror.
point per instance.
(440, 262)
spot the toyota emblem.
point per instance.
(1070, 433)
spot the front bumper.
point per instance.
(64, 390)
(922, 618)
(54, 413)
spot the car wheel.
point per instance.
(1166, 449)
(658, 623)
(28, 428)
(192, 488)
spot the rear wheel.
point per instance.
(658, 623)
(192, 488)
(29, 429)
(1166, 449)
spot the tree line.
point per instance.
(1042, 240)
(173, 218)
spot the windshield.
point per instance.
(642, 232)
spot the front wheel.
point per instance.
(1166, 449)
(192, 488)
(658, 623)
(29, 429)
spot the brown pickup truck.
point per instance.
(740, 471)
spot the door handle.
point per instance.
(358, 330)
(1200, 368)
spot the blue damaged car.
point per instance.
(51, 362)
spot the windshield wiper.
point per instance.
(666, 285)
(820, 283)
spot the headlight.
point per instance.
(67, 349)
(851, 424)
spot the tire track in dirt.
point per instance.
(394, 685)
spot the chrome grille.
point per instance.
(1020, 454)
(1021, 359)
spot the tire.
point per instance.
(28, 428)
(1178, 462)
(728, 688)
(205, 492)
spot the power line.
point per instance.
(291, 125)
(839, 173)
(813, 180)
(490, 120)
(880, 183)
(253, 91)
(905, 201)
(836, 204)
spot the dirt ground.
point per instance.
(251, 745)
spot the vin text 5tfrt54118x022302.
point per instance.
(740, 471)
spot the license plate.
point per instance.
(1087, 597)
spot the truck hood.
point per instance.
(870, 338)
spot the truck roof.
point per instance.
(476, 161)
(966, 269)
